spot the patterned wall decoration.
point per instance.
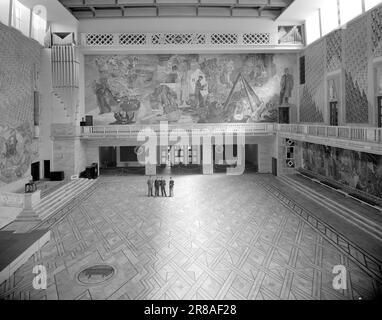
(191, 88)
(376, 26)
(312, 101)
(334, 50)
(19, 65)
(356, 58)
(362, 171)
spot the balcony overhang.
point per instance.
(367, 140)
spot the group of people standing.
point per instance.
(159, 184)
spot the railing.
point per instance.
(373, 135)
(133, 130)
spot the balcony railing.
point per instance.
(371, 135)
(133, 130)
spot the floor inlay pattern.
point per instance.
(365, 260)
(220, 237)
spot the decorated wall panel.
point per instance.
(19, 65)
(356, 56)
(362, 171)
(376, 26)
(334, 51)
(312, 93)
(190, 88)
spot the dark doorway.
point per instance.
(284, 115)
(334, 113)
(274, 167)
(35, 171)
(108, 157)
(251, 158)
(46, 169)
(379, 102)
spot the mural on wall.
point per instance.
(19, 68)
(16, 152)
(290, 35)
(192, 88)
(362, 171)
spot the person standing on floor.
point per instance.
(156, 185)
(163, 187)
(171, 184)
(150, 187)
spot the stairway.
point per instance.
(365, 223)
(56, 200)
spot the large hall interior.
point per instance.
(261, 119)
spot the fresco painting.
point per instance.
(362, 171)
(192, 88)
(16, 152)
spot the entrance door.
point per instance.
(334, 113)
(284, 115)
(274, 167)
(46, 169)
(108, 157)
(35, 171)
(379, 99)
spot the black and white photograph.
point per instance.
(207, 154)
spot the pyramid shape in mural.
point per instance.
(241, 84)
(309, 110)
(293, 36)
(357, 105)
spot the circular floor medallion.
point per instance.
(96, 274)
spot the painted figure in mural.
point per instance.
(287, 84)
(11, 146)
(199, 87)
(105, 99)
(121, 117)
(226, 72)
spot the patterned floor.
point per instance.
(220, 237)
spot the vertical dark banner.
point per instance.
(36, 108)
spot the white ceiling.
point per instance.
(88, 9)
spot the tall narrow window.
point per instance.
(21, 18)
(312, 27)
(39, 23)
(371, 3)
(329, 16)
(349, 9)
(302, 70)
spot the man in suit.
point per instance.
(171, 184)
(150, 187)
(163, 187)
(156, 185)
